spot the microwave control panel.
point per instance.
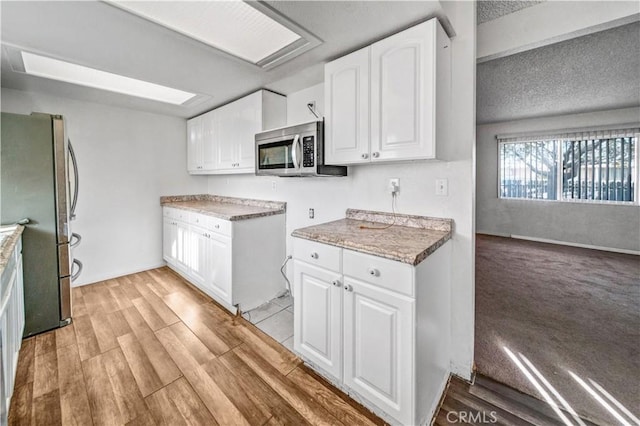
(308, 151)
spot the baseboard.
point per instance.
(562, 243)
(566, 243)
(120, 274)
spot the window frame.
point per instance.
(559, 174)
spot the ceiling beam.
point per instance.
(550, 22)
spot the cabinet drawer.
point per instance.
(395, 276)
(219, 226)
(318, 254)
(198, 219)
(178, 214)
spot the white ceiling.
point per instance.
(101, 36)
(595, 72)
(488, 10)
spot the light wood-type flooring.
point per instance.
(148, 349)
(489, 402)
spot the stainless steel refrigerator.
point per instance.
(39, 181)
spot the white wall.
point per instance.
(365, 187)
(601, 225)
(126, 159)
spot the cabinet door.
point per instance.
(209, 136)
(379, 347)
(346, 94)
(226, 153)
(219, 260)
(249, 116)
(199, 256)
(402, 92)
(169, 240)
(194, 144)
(183, 243)
(318, 316)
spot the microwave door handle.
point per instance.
(294, 151)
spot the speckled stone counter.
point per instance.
(409, 239)
(8, 244)
(228, 208)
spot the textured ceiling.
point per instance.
(488, 10)
(594, 72)
(98, 35)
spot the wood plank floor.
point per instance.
(149, 349)
(489, 402)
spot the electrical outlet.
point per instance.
(442, 187)
(274, 186)
(312, 213)
(394, 185)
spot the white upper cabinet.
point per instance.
(222, 141)
(346, 93)
(404, 111)
(249, 121)
(200, 153)
(194, 145)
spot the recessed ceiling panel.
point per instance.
(231, 26)
(55, 69)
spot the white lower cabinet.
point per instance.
(199, 264)
(219, 262)
(378, 346)
(318, 312)
(226, 259)
(375, 327)
(11, 326)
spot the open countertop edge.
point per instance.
(208, 203)
(6, 250)
(229, 217)
(333, 238)
(367, 250)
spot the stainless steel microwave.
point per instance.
(294, 151)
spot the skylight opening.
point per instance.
(55, 69)
(235, 27)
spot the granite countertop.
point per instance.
(8, 244)
(228, 208)
(409, 240)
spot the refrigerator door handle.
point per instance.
(78, 272)
(78, 238)
(76, 181)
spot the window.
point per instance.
(590, 166)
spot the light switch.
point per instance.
(442, 187)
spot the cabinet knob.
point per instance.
(314, 255)
(348, 287)
(376, 154)
(365, 156)
(374, 272)
(217, 226)
(336, 283)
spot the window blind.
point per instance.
(627, 131)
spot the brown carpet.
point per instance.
(565, 309)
